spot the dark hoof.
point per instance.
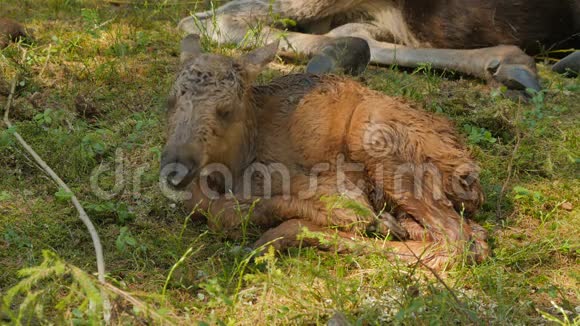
(570, 65)
(321, 64)
(347, 54)
(518, 77)
(510, 66)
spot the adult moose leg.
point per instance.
(506, 64)
(247, 22)
(232, 22)
(569, 64)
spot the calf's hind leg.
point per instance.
(305, 201)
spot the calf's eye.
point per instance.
(224, 113)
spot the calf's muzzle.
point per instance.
(178, 166)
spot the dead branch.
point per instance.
(82, 214)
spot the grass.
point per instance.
(93, 94)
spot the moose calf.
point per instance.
(305, 138)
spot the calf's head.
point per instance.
(210, 111)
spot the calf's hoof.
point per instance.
(479, 248)
(386, 225)
(346, 54)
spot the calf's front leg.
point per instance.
(295, 233)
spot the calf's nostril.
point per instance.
(176, 177)
(175, 173)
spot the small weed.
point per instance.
(540, 205)
(6, 137)
(536, 114)
(117, 212)
(91, 21)
(38, 284)
(13, 238)
(432, 79)
(63, 195)
(125, 239)
(94, 144)
(478, 136)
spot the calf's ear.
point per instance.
(257, 59)
(190, 48)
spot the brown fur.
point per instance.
(529, 24)
(300, 121)
(10, 30)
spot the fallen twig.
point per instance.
(82, 214)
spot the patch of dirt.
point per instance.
(86, 108)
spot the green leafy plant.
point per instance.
(478, 136)
(91, 21)
(14, 238)
(75, 296)
(50, 118)
(63, 195)
(118, 211)
(94, 144)
(217, 294)
(537, 113)
(7, 137)
(57, 285)
(535, 203)
(125, 239)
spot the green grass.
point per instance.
(93, 90)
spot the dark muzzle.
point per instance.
(178, 168)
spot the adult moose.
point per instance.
(304, 137)
(482, 38)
